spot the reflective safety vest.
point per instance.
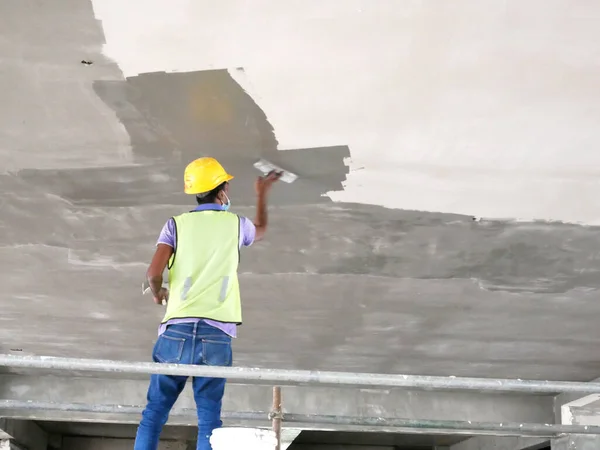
(203, 280)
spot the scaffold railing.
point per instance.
(302, 377)
(282, 377)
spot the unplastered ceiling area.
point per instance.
(445, 216)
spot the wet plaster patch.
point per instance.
(375, 241)
(174, 118)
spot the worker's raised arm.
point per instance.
(263, 186)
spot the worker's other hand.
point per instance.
(162, 294)
(263, 184)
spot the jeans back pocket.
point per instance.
(216, 353)
(169, 349)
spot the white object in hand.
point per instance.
(265, 167)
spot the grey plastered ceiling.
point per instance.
(93, 167)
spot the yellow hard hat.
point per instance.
(203, 175)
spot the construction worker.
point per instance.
(201, 249)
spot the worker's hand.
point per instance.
(263, 184)
(162, 294)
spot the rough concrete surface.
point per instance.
(92, 169)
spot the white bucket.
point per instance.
(238, 438)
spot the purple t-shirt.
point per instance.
(168, 237)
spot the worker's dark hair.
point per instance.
(210, 196)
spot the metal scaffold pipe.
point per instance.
(300, 377)
(277, 415)
(438, 426)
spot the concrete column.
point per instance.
(577, 442)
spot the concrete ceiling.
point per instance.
(93, 165)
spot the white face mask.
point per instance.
(227, 205)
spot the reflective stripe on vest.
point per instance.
(203, 280)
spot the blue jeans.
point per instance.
(188, 343)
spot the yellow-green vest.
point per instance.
(203, 280)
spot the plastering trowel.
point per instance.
(267, 167)
(146, 288)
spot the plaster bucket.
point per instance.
(238, 438)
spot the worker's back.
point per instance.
(203, 280)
